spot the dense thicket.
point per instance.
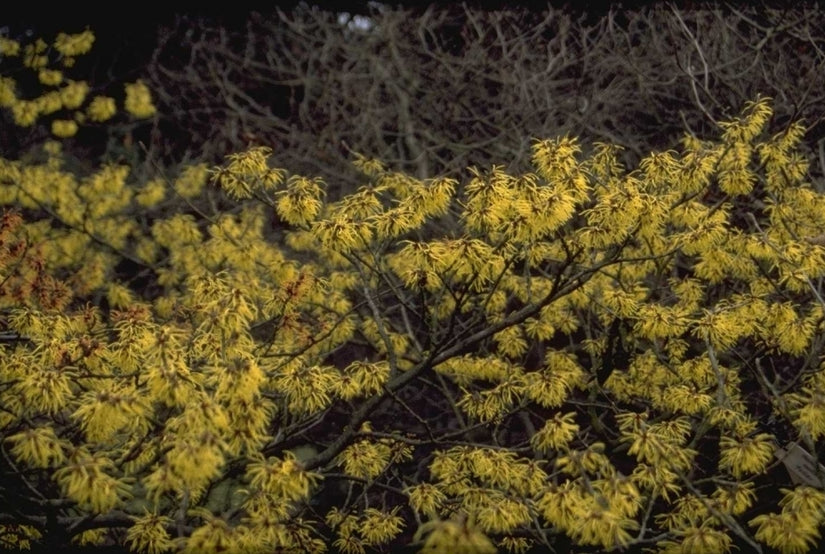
(440, 89)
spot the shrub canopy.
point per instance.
(224, 359)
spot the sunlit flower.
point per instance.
(74, 45)
(101, 108)
(139, 100)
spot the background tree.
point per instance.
(436, 90)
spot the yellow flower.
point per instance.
(191, 180)
(805, 501)
(249, 423)
(33, 56)
(426, 499)
(73, 94)
(152, 193)
(737, 182)
(84, 480)
(746, 455)
(350, 544)
(25, 113)
(791, 333)
(550, 387)
(53, 148)
(285, 478)
(703, 539)
(74, 45)
(119, 296)
(368, 166)
(809, 411)
(786, 532)
(369, 377)
(307, 388)
(341, 234)
(656, 478)
(556, 158)
(139, 100)
(101, 108)
(215, 535)
(196, 459)
(604, 527)
(722, 328)
(394, 222)
(510, 342)
(499, 514)
(7, 93)
(45, 389)
(589, 460)
(438, 195)
(660, 167)
(556, 433)
(104, 413)
(300, 203)
(48, 103)
(90, 537)
(379, 527)
(50, 77)
(516, 545)
(563, 505)
(39, 447)
(456, 536)
(736, 498)
(149, 535)
(365, 459)
(487, 405)
(655, 321)
(9, 47)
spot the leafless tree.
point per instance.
(436, 90)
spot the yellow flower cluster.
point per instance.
(34, 56)
(603, 517)
(9, 47)
(63, 94)
(556, 433)
(497, 302)
(149, 534)
(74, 94)
(104, 413)
(139, 100)
(300, 203)
(658, 445)
(746, 454)
(248, 173)
(522, 210)
(551, 386)
(490, 486)
(50, 77)
(83, 478)
(284, 479)
(374, 527)
(101, 108)
(367, 459)
(454, 535)
(74, 45)
(64, 128)
(20, 537)
(393, 206)
(796, 528)
(39, 447)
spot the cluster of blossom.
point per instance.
(64, 101)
